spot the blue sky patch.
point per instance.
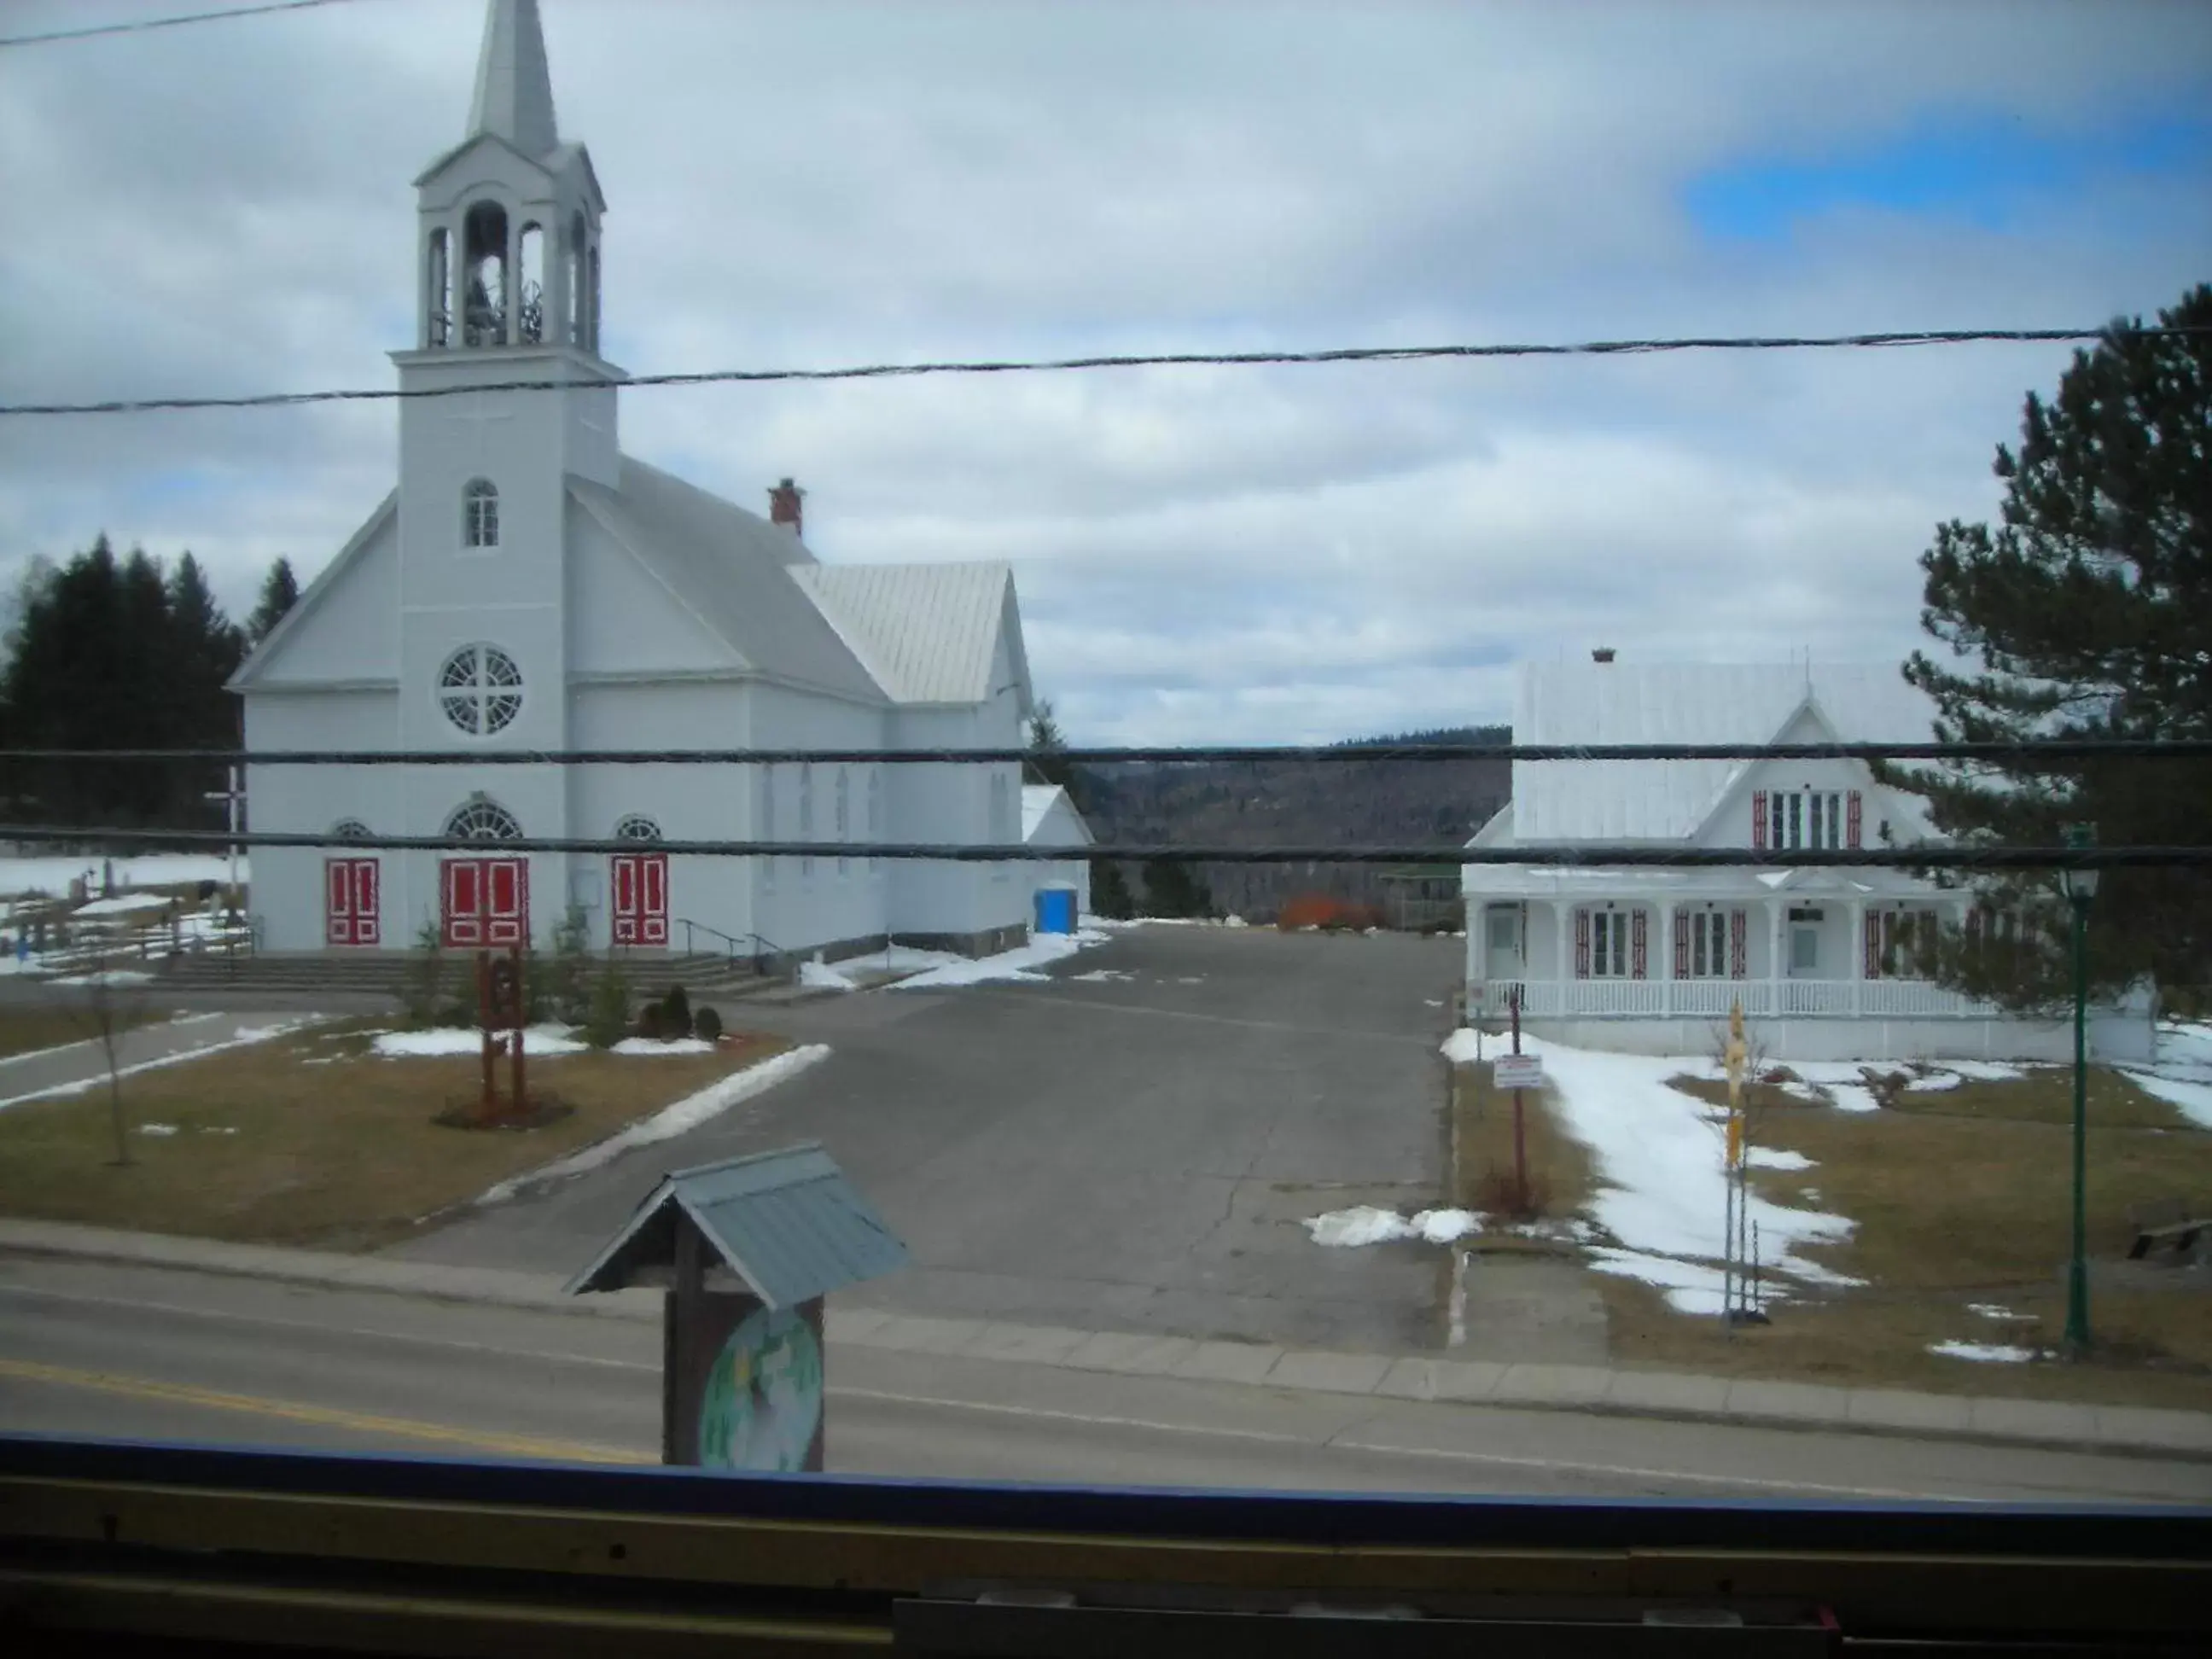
(1987, 174)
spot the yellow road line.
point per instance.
(290, 1411)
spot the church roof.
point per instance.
(727, 567)
(513, 96)
(1686, 704)
(926, 631)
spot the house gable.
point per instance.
(344, 629)
(1729, 822)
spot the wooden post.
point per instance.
(683, 1306)
(520, 1015)
(1520, 1139)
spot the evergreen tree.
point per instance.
(1109, 891)
(2086, 613)
(1171, 889)
(1047, 761)
(280, 592)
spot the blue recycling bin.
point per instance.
(1056, 910)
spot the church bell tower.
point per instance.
(505, 395)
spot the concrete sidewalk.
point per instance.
(28, 1075)
(2134, 1430)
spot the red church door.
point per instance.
(349, 902)
(484, 902)
(640, 907)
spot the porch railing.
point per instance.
(1710, 999)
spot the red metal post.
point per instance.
(490, 1101)
(519, 1013)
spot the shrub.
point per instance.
(425, 990)
(706, 1025)
(676, 1012)
(653, 1021)
(567, 993)
(609, 1020)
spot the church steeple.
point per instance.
(514, 90)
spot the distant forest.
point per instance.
(1297, 802)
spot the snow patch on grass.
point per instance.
(2002, 1353)
(455, 1039)
(1775, 1157)
(244, 1038)
(821, 976)
(662, 1046)
(1991, 1310)
(1365, 1223)
(1463, 1047)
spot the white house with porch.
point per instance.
(1649, 959)
(527, 586)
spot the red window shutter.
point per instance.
(1759, 819)
(1636, 944)
(1873, 945)
(1682, 943)
(1852, 820)
(1739, 929)
(1582, 942)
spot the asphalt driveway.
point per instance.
(1130, 1145)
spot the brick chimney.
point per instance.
(783, 505)
(1603, 653)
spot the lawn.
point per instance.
(1962, 1197)
(311, 1139)
(1560, 1169)
(24, 1031)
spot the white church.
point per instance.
(528, 587)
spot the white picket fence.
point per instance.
(1710, 999)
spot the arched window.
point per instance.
(844, 819)
(575, 330)
(592, 288)
(480, 688)
(348, 829)
(438, 290)
(482, 818)
(635, 826)
(484, 263)
(480, 513)
(530, 315)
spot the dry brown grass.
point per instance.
(1560, 1170)
(1964, 1196)
(309, 1141)
(23, 1030)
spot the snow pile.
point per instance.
(686, 1115)
(1665, 1196)
(1019, 964)
(661, 1046)
(157, 1129)
(2004, 1353)
(2180, 1071)
(1365, 1223)
(1775, 1157)
(457, 1039)
(54, 875)
(1102, 976)
(122, 905)
(1463, 1047)
(818, 975)
(1991, 1310)
(1934, 1084)
(112, 976)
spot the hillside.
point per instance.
(1303, 802)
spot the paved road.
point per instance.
(22, 1075)
(90, 1348)
(1123, 1154)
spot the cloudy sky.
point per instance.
(1203, 554)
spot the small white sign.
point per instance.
(1518, 1072)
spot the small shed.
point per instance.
(745, 1251)
(1049, 819)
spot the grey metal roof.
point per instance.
(728, 566)
(787, 1222)
(926, 631)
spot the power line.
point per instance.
(2156, 748)
(1161, 360)
(141, 25)
(1642, 856)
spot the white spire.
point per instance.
(514, 90)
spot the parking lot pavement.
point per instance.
(1130, 1145)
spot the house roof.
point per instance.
(787, 1222)
(728, 568)
(1678, 703)
(926, 632)
(1037, 802)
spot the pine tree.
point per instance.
(280, 592)
(1109, 891)
(1047, 761)
(2086, 613)
(1171, 889)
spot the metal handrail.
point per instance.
(761, 944)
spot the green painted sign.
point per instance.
(763, 1402)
